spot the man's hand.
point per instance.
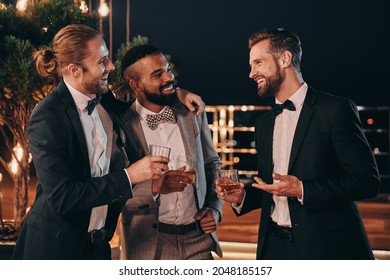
(147, 168)
(233, 197)
(288, 185)
(192, 101)
(171, 181)
(207, 222)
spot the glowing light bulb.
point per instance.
(21, 5)
(103, 9)
(18, 151)
(13, 165)
(84, 7)
(2, 6)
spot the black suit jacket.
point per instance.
(66, 193)
(332, 158)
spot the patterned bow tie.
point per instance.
(165, 116)
(278, 108)
(93, 102)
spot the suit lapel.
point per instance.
(188, 129)
(74, 118)
(302, 125)
(115, 108)
(265, 132)
(264, 143)
(134, 125)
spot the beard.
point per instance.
(161, 98)
(272, 84)
(93, 84)
(95, 88)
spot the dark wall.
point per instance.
(344, 43)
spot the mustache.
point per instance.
(172, 83)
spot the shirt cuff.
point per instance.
(128, 177)
(301, 199)
(238, 206)
(155, 196)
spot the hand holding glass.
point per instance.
(229, 181)
(155, 150)
(188, 164)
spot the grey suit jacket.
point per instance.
(141, 213)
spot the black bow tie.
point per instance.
(278, 108)
(93, 102)
(165, 116)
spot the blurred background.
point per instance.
(344, 53)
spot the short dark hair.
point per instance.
(280, 40)
(137, 53)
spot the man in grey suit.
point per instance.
(169, 218)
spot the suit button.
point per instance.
(154, 226)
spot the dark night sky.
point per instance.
(344, 43)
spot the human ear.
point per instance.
(74, 70)
(286, 58)
(135, 86)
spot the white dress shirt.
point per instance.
(284, 131)
(178, 208)
(99, 148)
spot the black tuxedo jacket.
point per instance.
(58, 221)
(331, 156)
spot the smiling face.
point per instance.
(265, 69)
(155, 83)
(96, 68)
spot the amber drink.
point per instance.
(188, 164)
(229, 181)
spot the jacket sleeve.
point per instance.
(357, 177)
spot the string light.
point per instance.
(2, 7)
(83, 7)
(21, 5)
(13, 165)
(103, 9)
(18, 151)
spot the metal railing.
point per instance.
(231, 124)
